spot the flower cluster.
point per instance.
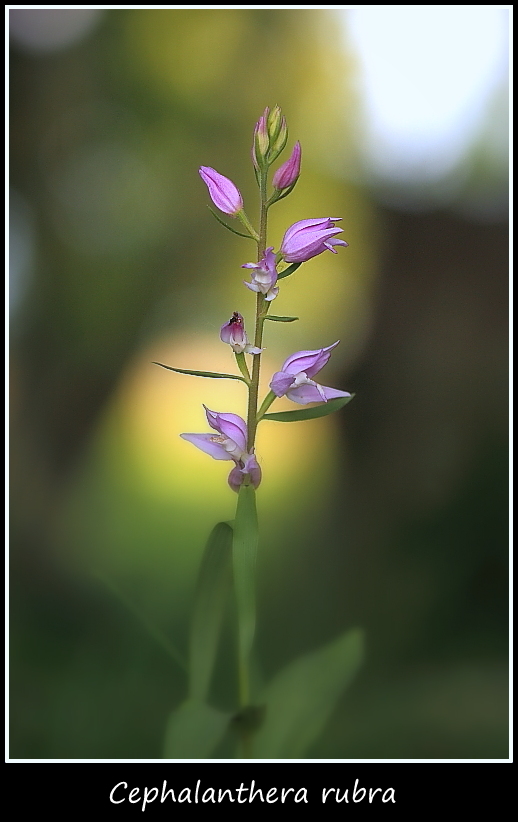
(234, 438)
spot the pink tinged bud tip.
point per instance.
(294, 379)
(308, 238)
(229, 443)
(264, 275)
(234, 334)
(223, 193)
(287, 175)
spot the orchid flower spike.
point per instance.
(264, 275)
(223, 193)
(234, 334)
(228, 444)
(294, 379)
(308, 238)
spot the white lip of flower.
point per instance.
(302, 379)
(229, 445)
(245, 347)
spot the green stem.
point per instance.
(262, 307)
(245, 541)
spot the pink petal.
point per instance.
(304, 394)
(280, 383)
(205, 442)
(309, 361)
(230, 425)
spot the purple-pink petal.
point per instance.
(280, 383)
(230, 425)
(304, 394)
(308, 238)
(238, 473)
(235, 478)
(320, 223)
(333, 393)
(334, 241)
(311, 362)
(206, 443)
(252, 467)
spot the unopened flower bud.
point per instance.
(287, 175)
(277, 145)
(275, 123)
(261, 140)
(223, 193)
(278, 133)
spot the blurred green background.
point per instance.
(391, 515)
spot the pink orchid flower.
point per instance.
(294, 379)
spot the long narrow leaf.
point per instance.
(244, 553)
(212, 591)
(212, 374)
(275, 319)
(287, 271)
(302, 696)
(153, 630)
(194, 730)
(310, 413)
(223, 223)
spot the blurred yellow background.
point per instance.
(392, 514)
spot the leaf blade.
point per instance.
(302, 696)
(212, 374)
(310, 413)
(275, 319)
(212, 590)
(194, 730)
(287, 271)
(226, 225)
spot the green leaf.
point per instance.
(280, 319)
(223, 223)
(287, 271)
(153, 630)
(194, 730)
(211, 595)
(212, 374)
(310, 413)
(302, 696)
(244, 553)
